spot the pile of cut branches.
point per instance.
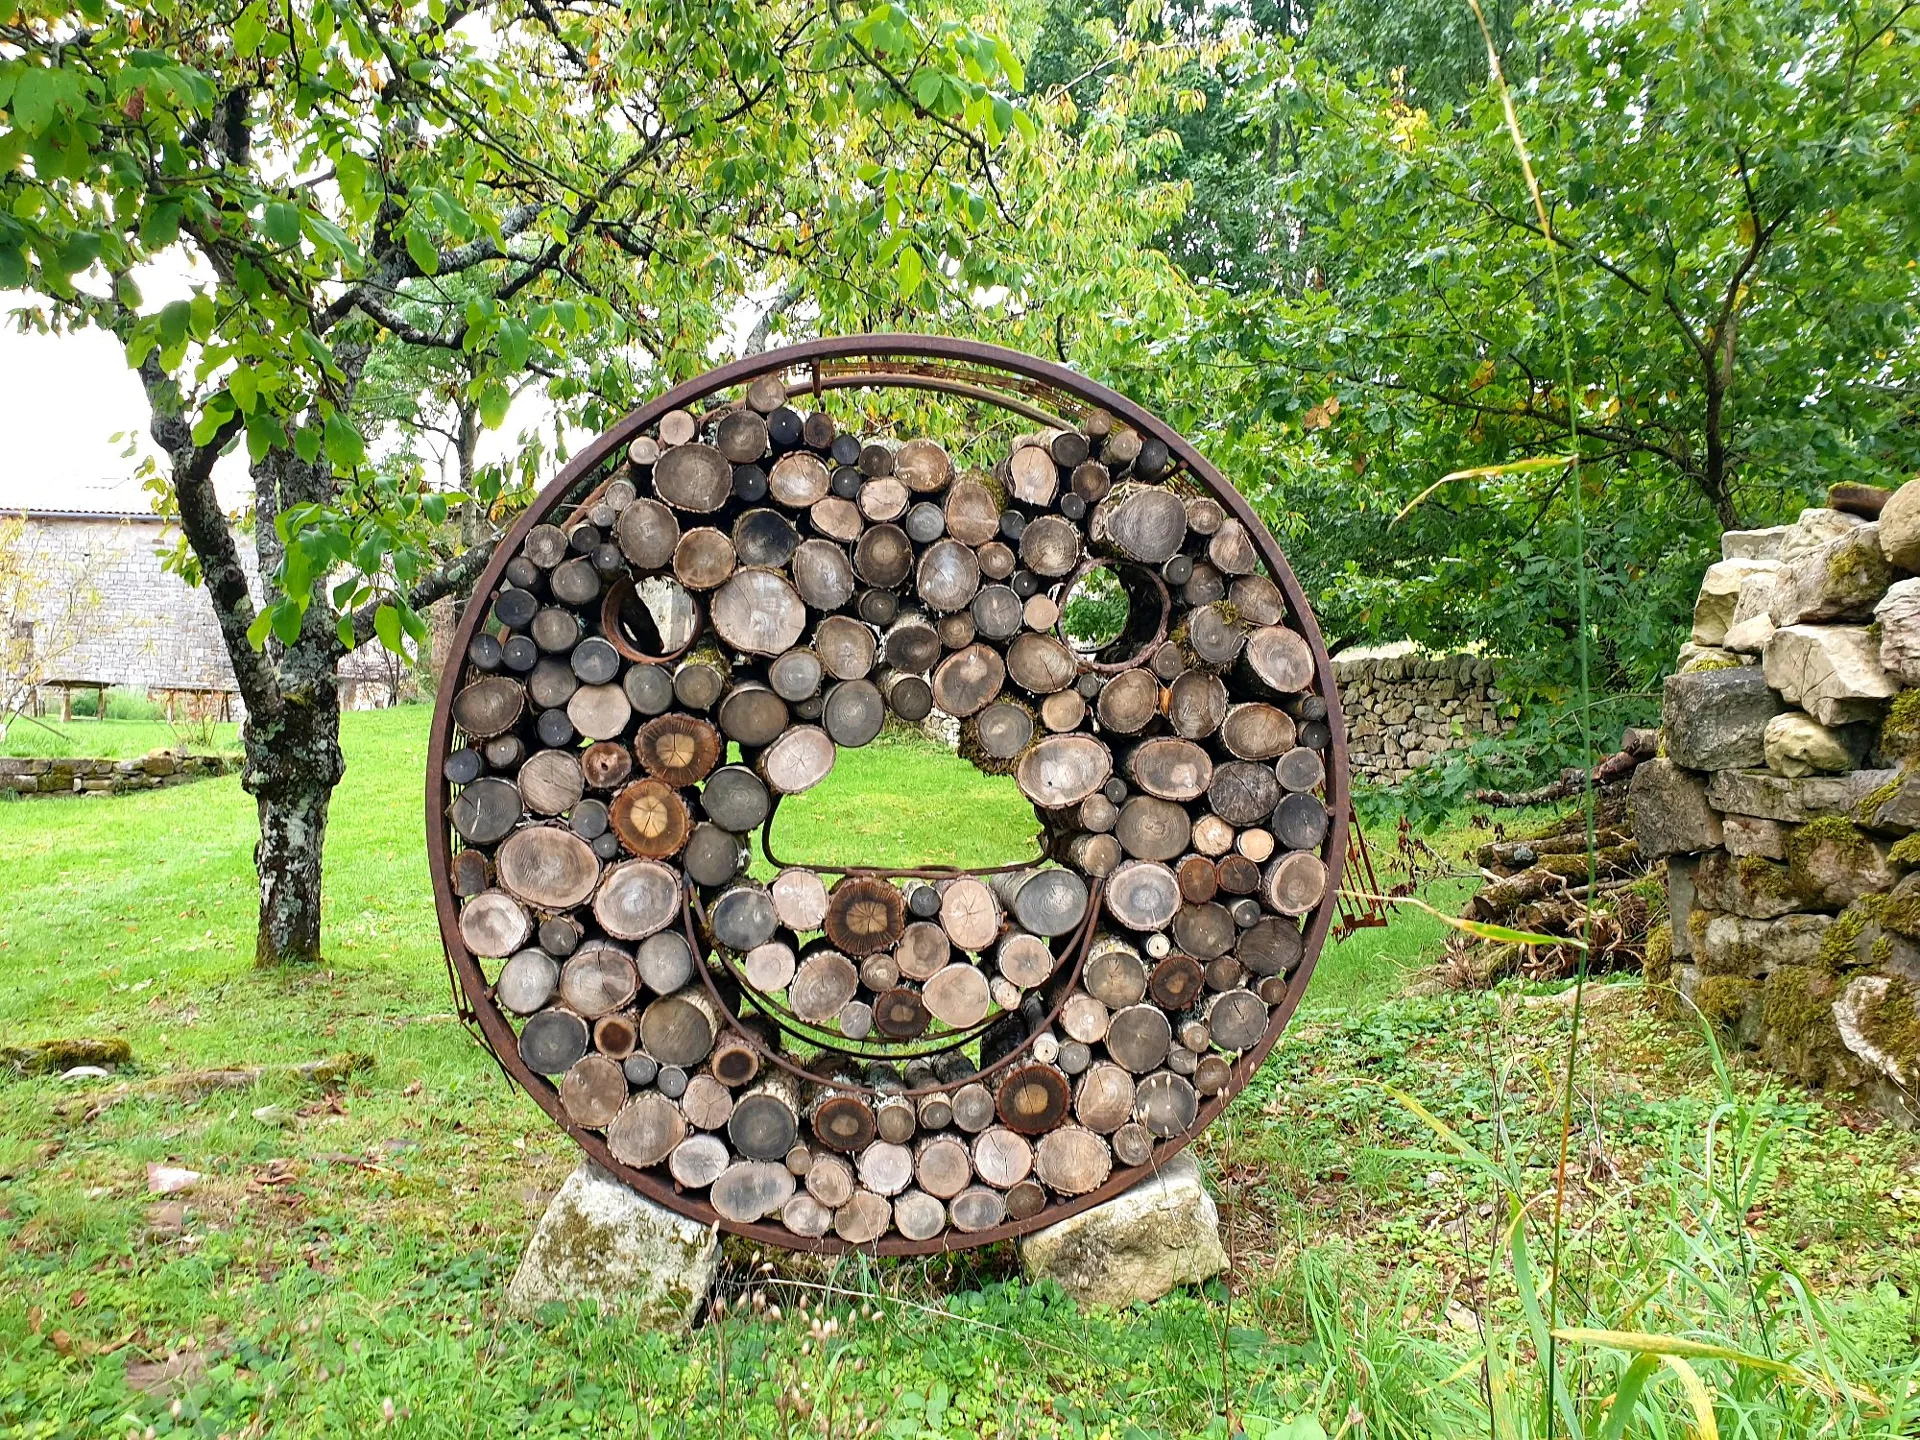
(1548, 882)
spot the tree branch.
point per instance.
(205, 525)
(452, 577)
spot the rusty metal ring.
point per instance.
(1038, 390)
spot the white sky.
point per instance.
(63, 399)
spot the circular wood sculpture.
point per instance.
(720, 594)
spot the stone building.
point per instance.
(103, 612)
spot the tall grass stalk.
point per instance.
(1499, 78)
(1691, 1326)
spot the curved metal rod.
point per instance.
(1061, 988)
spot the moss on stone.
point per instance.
(1906, 850)
(1839, 947)
(1697, 928)
(1764, 880)
(1874, 799)
(1657, 963)
(1703, 663)
(1835, 828)
(1891, 1024)
(1853, 561)
(1795, 1001)
(1900, 731)
(1898, 909)
(1723, 998)
(1881, 950)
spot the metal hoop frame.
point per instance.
(1038, 390)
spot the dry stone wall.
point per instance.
(64, 776)
(1786, 799)
(1405, 712)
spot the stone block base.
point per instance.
(602, 1241)
(1162, 1233)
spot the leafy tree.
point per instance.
(1732, 195)
(455, 197)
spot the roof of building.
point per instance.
(107, 498)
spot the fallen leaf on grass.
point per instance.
(170, 1179)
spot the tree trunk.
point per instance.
(293, 762)
(1716, 483)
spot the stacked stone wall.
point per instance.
(1405, 712)
(63, 776)
(1786, 799)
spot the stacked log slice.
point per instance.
(861, 1057)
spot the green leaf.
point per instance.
(160, 226)
(249, 30)
(386, 625)
(422, 250)
(280, 223)
(286, 622)
(910, 269)
(244, 387)
(345, 448)
(41, 93)
(257, 632)
(343, 628)
(434, 506)
(493, 402)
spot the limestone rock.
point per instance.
(1736, 945)
(1900, 527)
(1758, 889)
(1750, 835)
(1680, 906)
(1898, 614)
(1768, 796)
(1694, 657)
(1719, 593)
(1842, 580)
(1749, 637)
(1756, 595)
(601, 1240)
(1830, 671)
(1752, 544)
(1717, 719)
(1893, 806)
(1668, 809)
(1797, 744)
(1814, 528)
(1856, 498)
(1874, 1013)
(1162, 1233)
(1833, 865)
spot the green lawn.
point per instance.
(347, 1251)
(112, 739)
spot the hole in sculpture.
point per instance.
(1112, 614)
(902, 802)
(653, 620)
(1095, 612)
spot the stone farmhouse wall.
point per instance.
(1786, 800)
(110, 615)
(1405, 712)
